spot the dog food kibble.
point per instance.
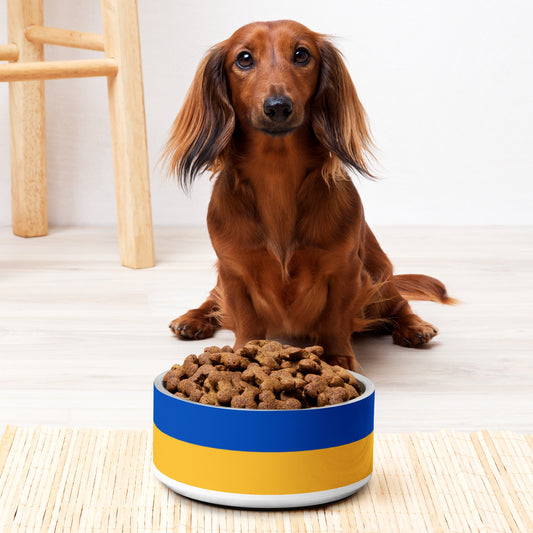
(261, 375)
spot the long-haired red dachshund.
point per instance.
(274, 115)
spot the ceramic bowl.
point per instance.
(258, 458)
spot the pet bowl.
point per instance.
(263, 458)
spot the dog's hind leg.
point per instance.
(199, 323)
(390, 309)
(392, 314)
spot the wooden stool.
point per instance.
(122, 66)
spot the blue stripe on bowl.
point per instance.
(264, 430)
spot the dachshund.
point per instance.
(273, 114)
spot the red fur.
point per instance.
(295, 255)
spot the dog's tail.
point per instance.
(421, 287)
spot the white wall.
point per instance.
(447, 86)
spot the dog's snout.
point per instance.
(278, 108)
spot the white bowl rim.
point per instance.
(367, 384)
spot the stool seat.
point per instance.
(26, 72)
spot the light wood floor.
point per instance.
(81, 338)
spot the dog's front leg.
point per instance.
(239, 307)
(337, 349)
(335, 325)
(199, 323)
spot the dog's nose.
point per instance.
(277, 108)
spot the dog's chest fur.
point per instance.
(288, 260)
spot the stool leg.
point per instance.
(128, 129)
(27, 122)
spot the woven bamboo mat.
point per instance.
(54, 479)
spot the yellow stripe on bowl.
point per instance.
(243, 472)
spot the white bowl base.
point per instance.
(260, 501)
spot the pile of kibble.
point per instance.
(261, 375)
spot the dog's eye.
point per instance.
(245, 60)
(302, 56)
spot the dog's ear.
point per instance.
(338, 117)
(204, 125)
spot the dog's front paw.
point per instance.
(192, 326)
(346, 361)
(413, 332)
